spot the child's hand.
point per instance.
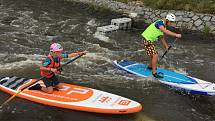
(55, 70)
(81, 53)
(178, 35)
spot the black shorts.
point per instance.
(53, 81)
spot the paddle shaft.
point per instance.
(167, 50)
(9, 99)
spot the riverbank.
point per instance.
(186, 20)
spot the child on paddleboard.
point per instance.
(154, 32)
(49, 68)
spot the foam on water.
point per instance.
(92, 23)
(98, 56)
(28, 60)
(102, 37)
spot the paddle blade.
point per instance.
(9, 99)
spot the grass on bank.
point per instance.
(199, 6)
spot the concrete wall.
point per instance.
(185, 19)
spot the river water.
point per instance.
(27, 27)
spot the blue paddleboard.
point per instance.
(178, 81)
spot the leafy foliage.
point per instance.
(200, 6)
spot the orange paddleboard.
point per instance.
(72, 97)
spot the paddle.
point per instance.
(167, 50)
(8, 100)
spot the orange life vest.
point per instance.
(53, 64)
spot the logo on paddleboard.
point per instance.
(105, 99)
(124, 102)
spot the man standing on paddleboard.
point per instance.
(154, 33)
(50, 67)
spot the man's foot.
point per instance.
(35, 87)
(158, 75)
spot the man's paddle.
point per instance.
(167, 50)
(8, 100)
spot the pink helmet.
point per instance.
(56, 47)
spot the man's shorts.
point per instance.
(53, 81)
(149, 48)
